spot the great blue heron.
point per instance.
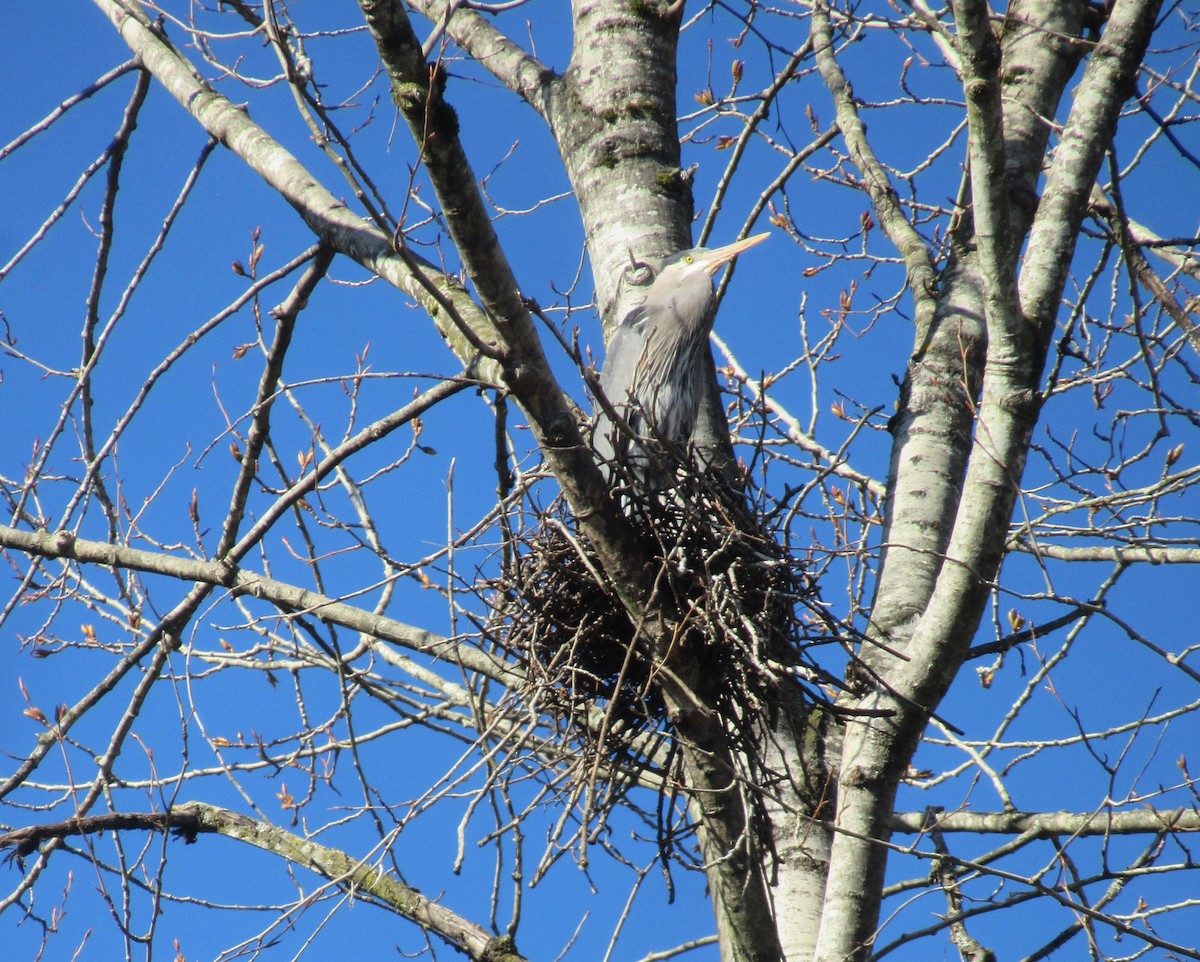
(653, 374)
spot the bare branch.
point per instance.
(1054, 824)
(988, 165)
(192, 819)
(1108, 81)
(875, 181)
(63, 545)
(517, 69)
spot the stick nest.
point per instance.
(746, 611)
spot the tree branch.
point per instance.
(1118, 554)
(526, 371)
(1108, 81)
(987, 164)
(64, 545)
(936, 641)
(441, 295)
(517, 69)
(1053, 824)
(1123, 232)
(918, 262)
(195, 818)
(417, 88)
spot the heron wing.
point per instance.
(617, 381)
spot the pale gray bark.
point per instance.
(800, 806)
(1052, 824)
(966, 529)
(808, 884)
(613, 116)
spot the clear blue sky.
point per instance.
(41, 63)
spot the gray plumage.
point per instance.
(653, 374)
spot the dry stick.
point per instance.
(267, 389)
(46, 122)
(91, 320)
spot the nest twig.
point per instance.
(748, 613)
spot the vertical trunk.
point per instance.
(800, 809)
(613, 115)
(943, 505)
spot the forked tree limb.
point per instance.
(193, 819)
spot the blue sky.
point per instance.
(179, 445)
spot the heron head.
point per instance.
(707, 260)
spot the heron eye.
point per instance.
(689, 258)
